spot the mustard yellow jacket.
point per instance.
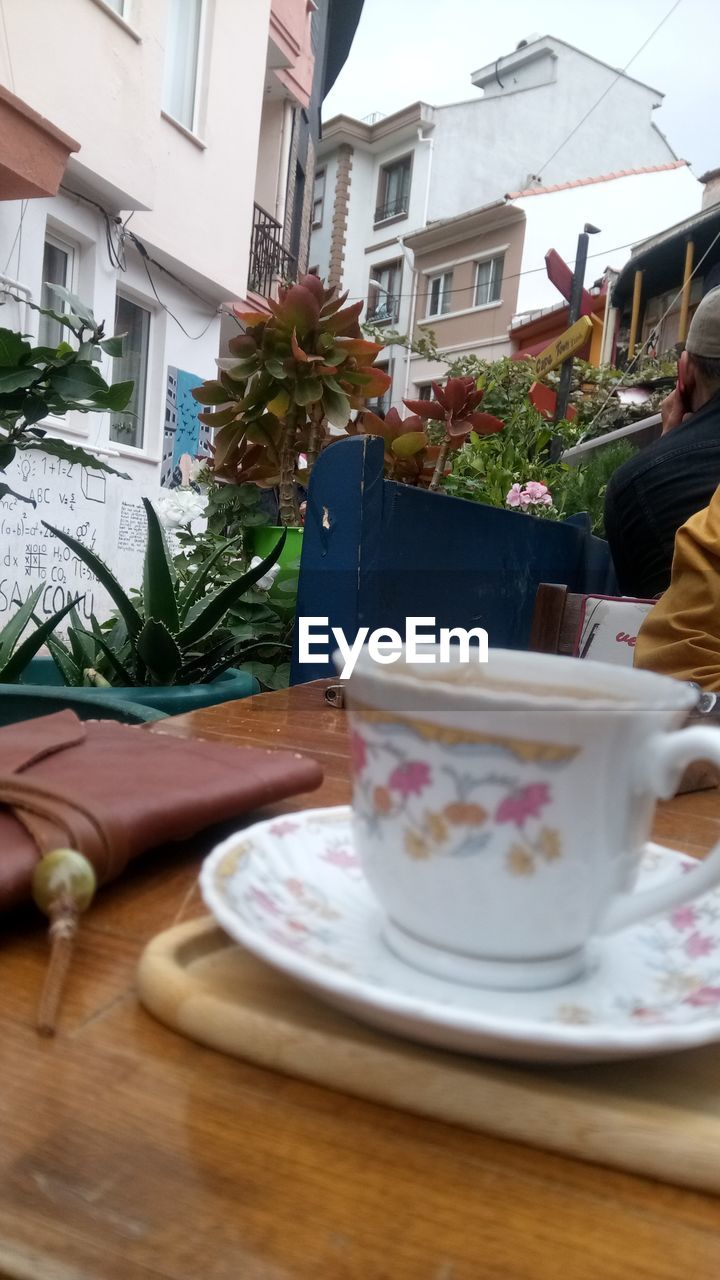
(681, 634)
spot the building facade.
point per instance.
(386, 182)
(182, 119)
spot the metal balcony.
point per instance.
(270, 261)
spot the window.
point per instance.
(425, 391)
(488, 281)
(117, 5)
(439, 301)
(181, 61)
(393, 199)
(132, 320)
(384, 293)
(318, 197)
(57, 268)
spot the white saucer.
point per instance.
(292, 891)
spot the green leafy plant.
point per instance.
(232, 512)
(37, 381)
(168, 633)
(16, 654)
(288, 375)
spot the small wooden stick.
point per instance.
(63, 887)
(63, 929)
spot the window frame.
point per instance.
(375, 294)
(194, 126)
(318, 199)
(144, 449)
(481, 262)
(72, 251)
(381, 202)
(377, 402)
(444, 295)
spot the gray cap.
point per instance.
(704, 333)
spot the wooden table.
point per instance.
(128, 1151)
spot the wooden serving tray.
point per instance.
(656, 1116)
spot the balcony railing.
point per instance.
(392, 208)
(385, 311)
(269, 259)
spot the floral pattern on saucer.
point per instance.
(292, 890)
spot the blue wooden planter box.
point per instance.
(375, 552)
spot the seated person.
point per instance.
(652, 494)
(681, 634)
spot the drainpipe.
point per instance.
(687, 277)
(414, 286)
(431, 143)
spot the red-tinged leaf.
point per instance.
(428, 410)
(243, 346)
(210, 393)
(226, 442)
(485, 424)
(315, 286)
(220, 417)
(359, 346)
(297, 350)
(300, 310)
(438, 393)
(376, 383)
(457, 428)
(372, 425)
(345, 322)
(250, 318)
(333, 304)
(455, 395)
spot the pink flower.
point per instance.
(703, 996)
(696, 945)
(265, 901)
(342, 858)
(523, 804)
(283, 828)
(535, 491)
(410, 778)
(683, 917)
(358, 751)
(512, 498)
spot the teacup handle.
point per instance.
(666, 756)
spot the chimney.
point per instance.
(711, 184)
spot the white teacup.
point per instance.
(501, 811)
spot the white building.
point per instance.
(191, 187)
(379, 181)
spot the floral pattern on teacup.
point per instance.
(391, 784)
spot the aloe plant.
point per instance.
(15, 656)
(168, 633)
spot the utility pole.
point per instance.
(575, 303)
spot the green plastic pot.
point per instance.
(283, 591)
(18, 703)
(172, 700)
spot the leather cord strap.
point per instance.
(52, 819)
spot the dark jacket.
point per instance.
(651, 495)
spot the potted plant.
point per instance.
(288, 376)
(167, 646)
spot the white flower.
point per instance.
(180, 508)
(268, 578)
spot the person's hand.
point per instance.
(672, 412)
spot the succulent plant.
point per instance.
(455, 406)
(167, 633)
(407, 448)
(15, 654)
(291, 372)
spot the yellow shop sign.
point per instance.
(566, 345)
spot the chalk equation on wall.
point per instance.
(102, 511)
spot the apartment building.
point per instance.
(382, 182)
(170, 174)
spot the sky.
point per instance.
(406, 50)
